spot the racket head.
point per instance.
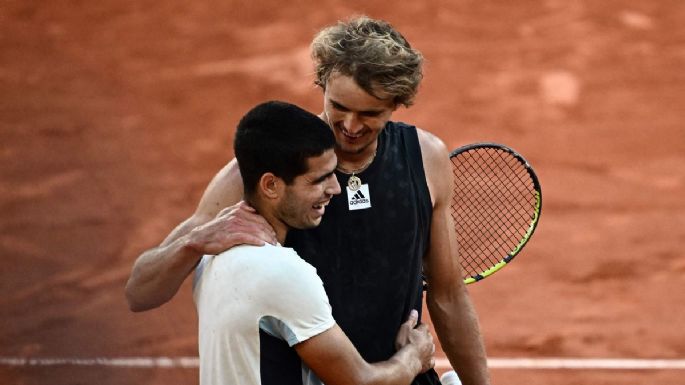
(496, 206)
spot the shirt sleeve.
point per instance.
(300, 306)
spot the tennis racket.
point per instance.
(496, 207)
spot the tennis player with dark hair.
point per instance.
(287, 163)
(391, 223)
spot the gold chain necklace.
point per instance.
(354, 183)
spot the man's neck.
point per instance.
(280, 234)
(355, 160)
(279, 227)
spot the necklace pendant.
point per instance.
(354, 183)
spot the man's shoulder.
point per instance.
(276, 261)
(267, 255)
(428, 141)
(436, 164)
(285, 279)
(399, 128)
(273, 266)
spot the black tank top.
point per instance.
(370, 260)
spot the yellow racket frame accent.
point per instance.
(516, 250)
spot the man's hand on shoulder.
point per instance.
(235, 225)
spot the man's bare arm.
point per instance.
(159, 272)
(335, 360)
(449, 304)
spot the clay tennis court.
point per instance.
(114, 116)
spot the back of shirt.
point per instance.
(244, 287)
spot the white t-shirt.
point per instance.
(237, 291)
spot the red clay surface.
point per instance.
(114, 115)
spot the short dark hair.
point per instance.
(278, 137)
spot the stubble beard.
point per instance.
(291, 214)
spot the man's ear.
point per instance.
(271, 186)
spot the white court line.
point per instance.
(128, 362)
(576, 363)
(441, 363)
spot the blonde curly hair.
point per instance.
(373, 53)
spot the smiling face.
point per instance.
(355, 116)
(304, 200)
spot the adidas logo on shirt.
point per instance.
(359, 199)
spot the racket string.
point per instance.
(494, 199)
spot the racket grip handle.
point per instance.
(450, 378)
